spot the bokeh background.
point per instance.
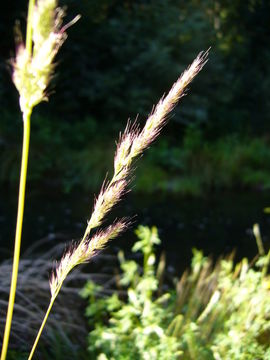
(205, 181)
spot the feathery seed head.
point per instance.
(33, 71)
(106, 199)
(102, 237)
(122, 154)
(131, 144)
(83, 252)
(74, 256)
(45, 20)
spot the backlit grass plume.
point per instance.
(82, 253)
(32, 70)
(133, 142)
(130, 145)
(33, 65)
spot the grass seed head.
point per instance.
(83, 252)
(33, 71)
(131, 144)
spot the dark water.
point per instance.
(217, 224)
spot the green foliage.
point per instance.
(218, 311)
(76, 155)
(231, 318)
(137, 327)
(198, 166)
(224, 311)
(133, 45)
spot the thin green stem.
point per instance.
(16, 257)
(43, 324)
(21, 197)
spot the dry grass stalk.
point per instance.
(33, 65)
(83, 253)
(131, 144)
(32, 70)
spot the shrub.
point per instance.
(136, 328)
(217, 311)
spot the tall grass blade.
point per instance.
(33, 67)
(21, 199)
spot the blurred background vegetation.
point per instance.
(119, 60)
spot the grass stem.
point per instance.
(17, 247)
(42, 326)
(21, 198)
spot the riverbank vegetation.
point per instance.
(135, 51)
(192, 166)
(215, 310)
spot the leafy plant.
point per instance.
(137, 327)
(218, 311)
